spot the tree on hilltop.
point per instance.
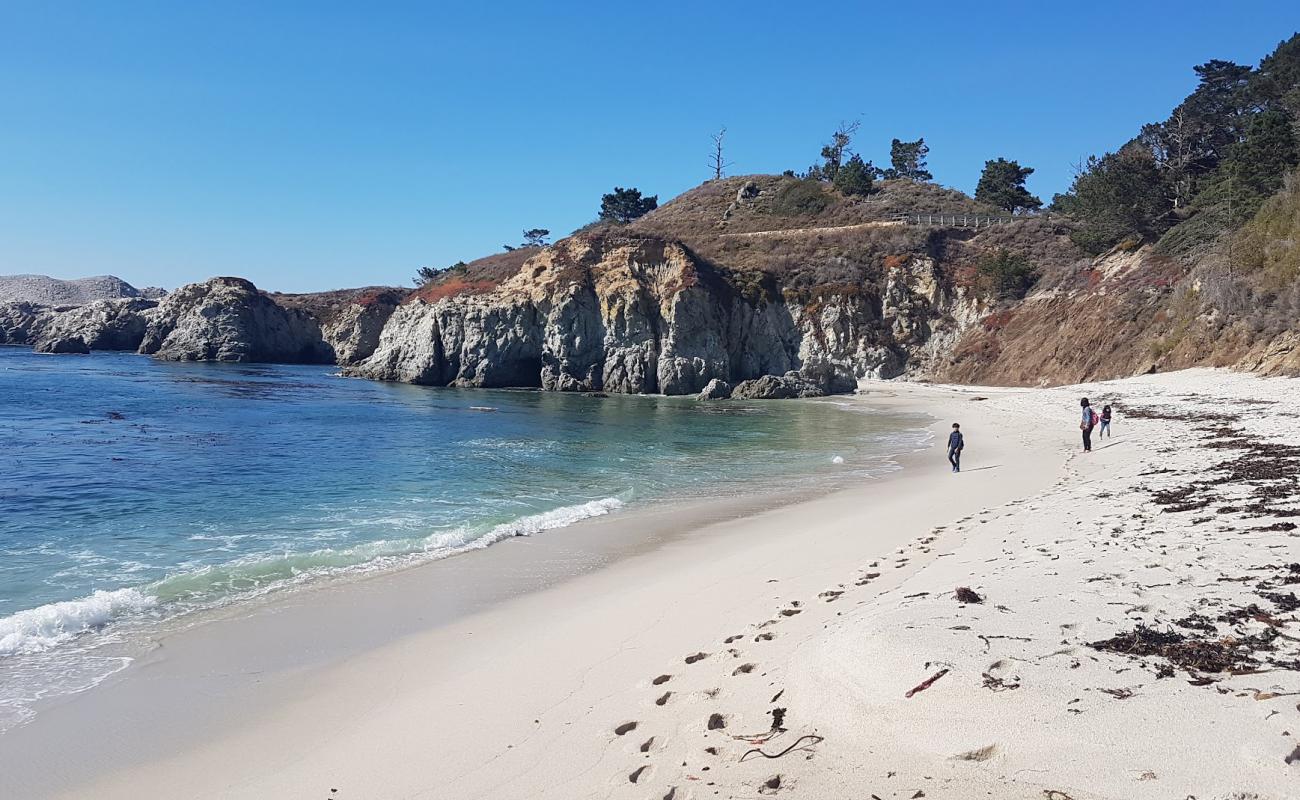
(716, 161)
(1002, 184)
(856, 177)
(907, 160)
(625, 205)
(426, 275)
(535, 237)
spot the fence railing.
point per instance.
(975, 221)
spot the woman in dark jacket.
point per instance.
(1086, 424)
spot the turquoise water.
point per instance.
(134, 490)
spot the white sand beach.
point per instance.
(772, 654)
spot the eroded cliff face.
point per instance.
(643, 315)
(228, 319)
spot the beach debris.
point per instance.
(802, 743)
(965, 594)
(770, 785)
(481, 408)
(927, 683)
(979, 754)
(778, 719)
(837, 460)
(998, 684)
(1232, 654)
(1121, 693)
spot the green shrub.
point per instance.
(1006, 274)
(799, 198)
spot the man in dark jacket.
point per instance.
(955, 445)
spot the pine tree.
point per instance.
(1002, 184)
(907, 160)
(625, 205)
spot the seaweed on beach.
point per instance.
(1231, 655)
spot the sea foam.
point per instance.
(37, 629)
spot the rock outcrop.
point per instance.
(638, 314)
(101, 325)
(717, 389)
(228, 319)
(353, 333)
(43, 290)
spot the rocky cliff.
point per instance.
(228, 319)
(627, 313)
(728, 290)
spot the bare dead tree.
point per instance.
(716, 161)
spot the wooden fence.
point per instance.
(975, 221)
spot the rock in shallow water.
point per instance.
(717, 389)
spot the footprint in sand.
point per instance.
(790, 612)
(716, 722)
(691, 659)
(638, 772)
(765, 637)
(744, 669)
(770, 786)
(647, 744)
(663, 700)
(625, 728)
(735, 638)
(662, 679)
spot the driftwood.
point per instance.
(927, 683)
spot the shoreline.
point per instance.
(123, 622)
(513, 572)
(824, 631)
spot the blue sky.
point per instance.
(320, 145)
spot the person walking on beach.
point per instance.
(1105, 423)
(955, 445)
(1086, 425)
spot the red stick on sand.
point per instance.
(927, 683)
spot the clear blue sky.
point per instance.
(320, 145)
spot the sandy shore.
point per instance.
(675, 669)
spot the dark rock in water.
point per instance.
(777, 387)
(595, 394)
(62, 344)
(717, 389)
(228, 319)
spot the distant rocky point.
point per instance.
(43, 290)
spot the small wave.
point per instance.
(44, 627)
(38, 629)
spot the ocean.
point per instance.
(135, 492)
